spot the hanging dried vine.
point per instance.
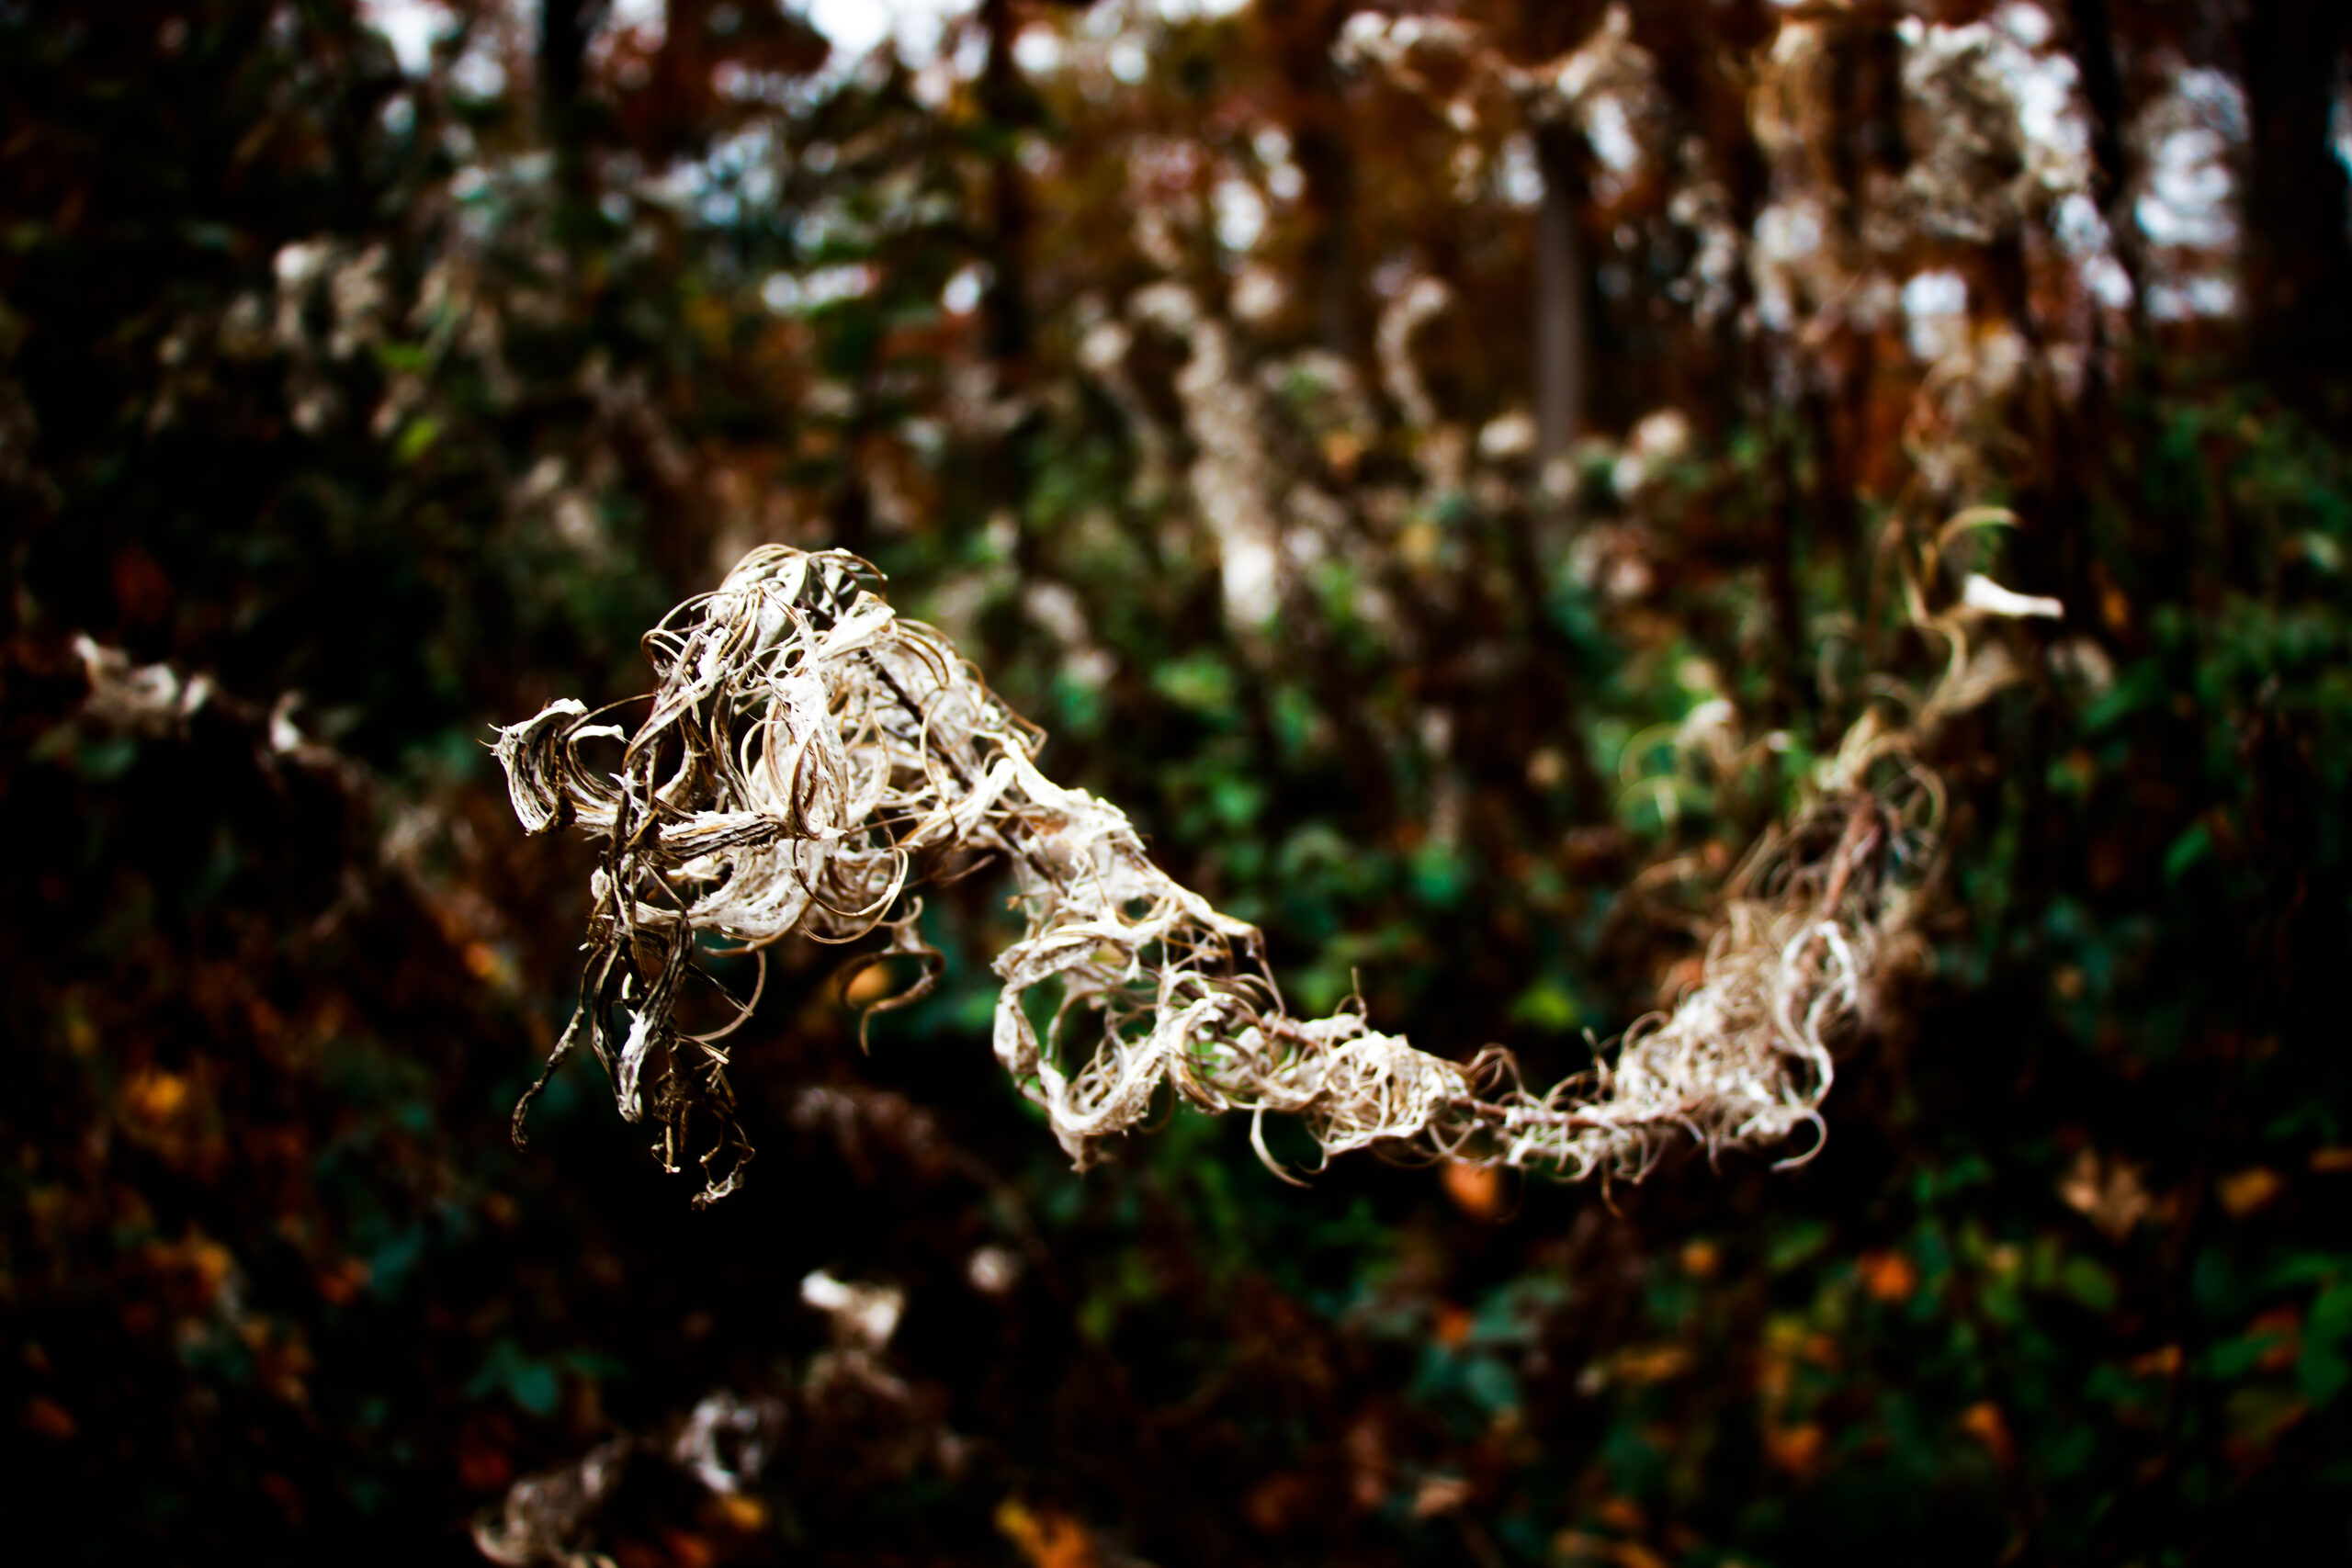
(810, 758)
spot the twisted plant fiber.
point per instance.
(810, 758)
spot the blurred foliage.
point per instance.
(420, 392)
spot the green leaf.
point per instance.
(417, 440)
(1546, 1006)
(2187, 851)
(2323, 1369)
(1490, 1383)
(1795, 1246)
(532, 1384)
(409, 356)
(2088, 1283)
(1439, 874)
(1202, 684)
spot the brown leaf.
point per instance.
(1277, 1504)
(1641, 1364)
(2242, 1192)
(47, 1418)
(1797, 1449)
(1440, 1494)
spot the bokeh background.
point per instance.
(1448, 471)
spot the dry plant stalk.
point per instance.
(810, 758)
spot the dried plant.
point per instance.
(2002, 135)
(414, 842)
(147, 699)
(850, 1420)
(810, 758)
(543, 1518)
(1233, 476)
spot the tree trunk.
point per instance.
(2297, 264)
(1301, 34)
(1005, 305)
(1563, 334)
(565, 27)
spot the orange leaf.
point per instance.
(1476, 1189)
(156, 1094)
(2245, 1192)
(1797, 1449)
(1982, 1421)
(1450, 1324)
(1888, 1276)
(1046, 1538)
